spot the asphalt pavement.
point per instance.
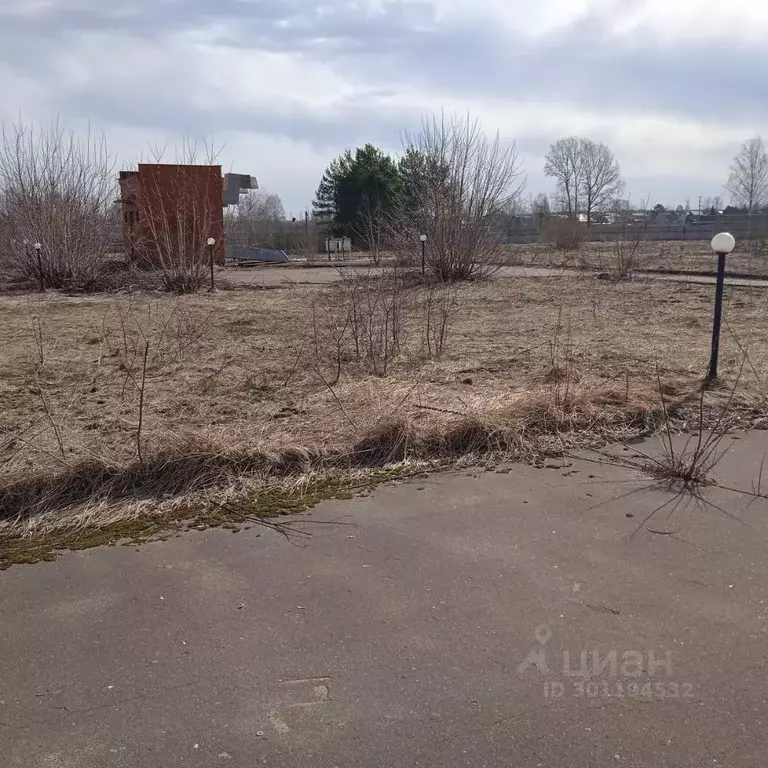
(518, 617)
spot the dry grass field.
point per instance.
(119, 410)
(695, 256)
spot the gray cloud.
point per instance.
(406, 45)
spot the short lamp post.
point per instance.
(41, 277)
(722, 245)
(423, 239)
(211, 243)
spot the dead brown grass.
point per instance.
(232, 393)
(693, 256)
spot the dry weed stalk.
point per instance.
(142, 389)
(562, 372)
(693, 467)
(688, 470)
(49, 416)
(171, 325)
(440, 307)
(629, 249)
(628, 254)
(38, 310)
(361, 321)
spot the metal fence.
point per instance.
(741, 226)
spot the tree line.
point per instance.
(361, 190)
(453, 183)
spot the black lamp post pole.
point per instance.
(712, 374)
(210, 255)
(40, 274)
(423, 258)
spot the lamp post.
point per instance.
(39, 247)
(423, 239)
(27, 255)
(211, 243)
(722, 245)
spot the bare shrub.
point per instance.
(38, 310)
(171, 326)
(440, 306)
(564, 234)
(56, 189)
(461, 184)
(628, 252)
(364, 321)
(361, 321)
(561, 375)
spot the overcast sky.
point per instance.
(672, 87)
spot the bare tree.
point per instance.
(587, 175)
(710, 205)
(540, 210)
(467, 183)
(56, 189)
(564, 163)
(622, 210)
(601, 179)
(371, 229)
(748, 179)
(256, 220)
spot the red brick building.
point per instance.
(170, 211)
